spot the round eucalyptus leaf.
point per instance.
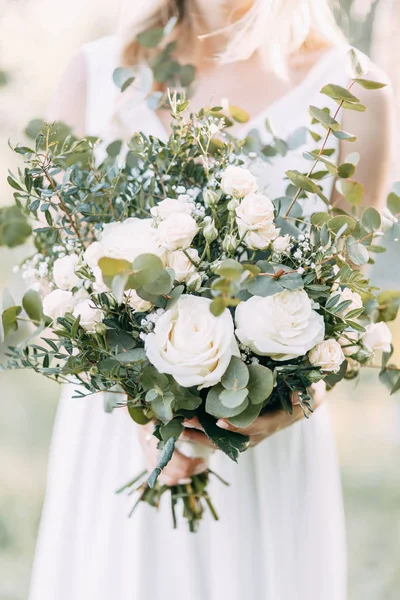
(32, 305)
(229, 268)
(147, 268)
(236, 376)
(358, 253)
(238, 114)
(393, 203)
(261, 383)
(217, 306)
(247, 417)
(371, 220)
(352, 191)
(336, 223)
(138, 415)
(215, 407)
(346, 170)
(150, 38)
(233, 398)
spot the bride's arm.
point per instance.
(69, 99)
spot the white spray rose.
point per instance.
(347, 294)
(282, 244)
(282, 326)
(89, 314)
(179, 262)
(124, 240)
(58, 303)
(136, 302)
(237, 181)
(170, 206)
(377, 337)
(255, 215)
(64, 272)
(255, 211)
(327, 355)
(261, 238)
(191, 344)
(177, 231)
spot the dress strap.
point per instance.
(101, 58)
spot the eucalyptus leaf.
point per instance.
(9, 318)
(150, 38)
(371, 219)
(231, 443)
(247, 417)
(32, 305)
(358, 253)
(339, 93)
(368, 84)
(215, 407)
(352, 191)
(261, 383)
(236, 376)
(346, 170)
(233, 398)
(336, 223)
(163, 459)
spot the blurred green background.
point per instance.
(367, 420)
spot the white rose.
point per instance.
(64, 272)
(170, 206)
(58, 303)
(136, 302)
(388, 220)
(179, 262)
(282, 244)
(191, 344)
(347, 294)
(255, 215)
(282, 326)
(377, 337)
(261, 238)
(124, 240)
(327, 355)
(237, 181)
(89, 314)
(255, 211)
(177, 231)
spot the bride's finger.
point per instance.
(198, 437)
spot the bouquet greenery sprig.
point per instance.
(165, 278)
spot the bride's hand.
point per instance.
(179, 469)
(264, 426)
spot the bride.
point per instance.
(281, 532)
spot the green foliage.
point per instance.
(14, 226)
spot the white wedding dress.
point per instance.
(281, 529)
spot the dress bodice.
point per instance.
(112, 119)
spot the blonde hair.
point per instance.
(275, 28)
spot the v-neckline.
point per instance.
(296, 89)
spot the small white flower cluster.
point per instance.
(35, 268)
(148, 322)
(305, 255)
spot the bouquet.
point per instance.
(165, 278)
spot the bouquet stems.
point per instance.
(192, 498)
